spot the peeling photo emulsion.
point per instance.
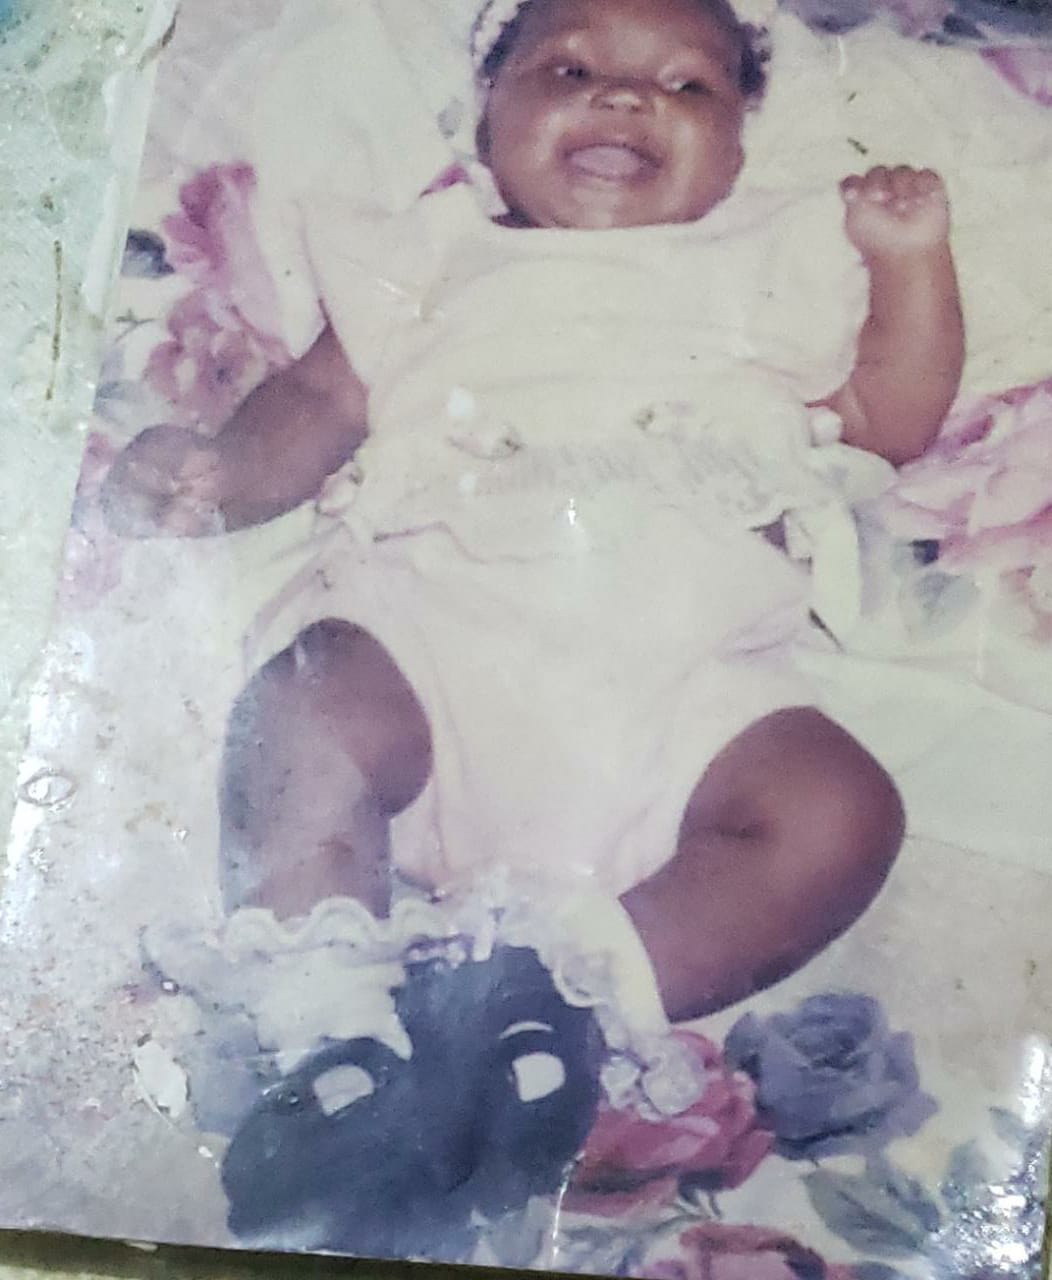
(542, 753)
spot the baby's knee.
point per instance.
(317, 678)
(338, 688)
(805, 784)
(326, 650)
(854, 812)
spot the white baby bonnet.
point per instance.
(495, 16)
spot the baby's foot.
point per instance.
(166, 482)
(896, 212)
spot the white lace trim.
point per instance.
(496, 15)
(492, 20)
(333, 976)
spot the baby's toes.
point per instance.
(931, 191)
(902, 183)
(877, 185)
(914, 188)
(928, 183)
(901, 198)
(851, 188)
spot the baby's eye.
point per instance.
(683, 85)
(571, 71)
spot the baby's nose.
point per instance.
(621, 95)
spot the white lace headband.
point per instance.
(492, 20)
(496, 14)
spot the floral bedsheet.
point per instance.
(957, 554)
(820, 1091)
(1013, 35)
(816, 1093)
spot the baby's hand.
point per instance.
(166, 482)
(893, 212)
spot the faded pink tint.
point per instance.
(717, 1251)
(1029, 70)
(212, 242)
(984, 490)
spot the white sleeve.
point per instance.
(342, 111)
(813, 295)
(371, 269)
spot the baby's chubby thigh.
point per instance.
(326, 741)
(715, 657)
(324, 745)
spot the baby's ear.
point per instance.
(482, 140)
(740, 159)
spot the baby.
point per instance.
(548, 628)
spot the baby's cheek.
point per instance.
(509, 155)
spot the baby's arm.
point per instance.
(911, 348)
(295, 429)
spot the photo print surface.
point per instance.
(541, 757)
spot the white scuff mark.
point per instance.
(461, 406)
(167, 14)
(160, 1080)
(126, 94)
(62, 215)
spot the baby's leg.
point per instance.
(326, 743)
(786, 840)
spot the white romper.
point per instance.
(573, 435)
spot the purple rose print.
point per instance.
(834, 17)
(1013, 35)
(831, 1077)
(911, 17)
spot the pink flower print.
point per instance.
(212, 242)
(211, 361)
(1027, 69)
(984, 490)
(1026, 603)
(718, 1251)
(452, 176)
(918, 18)
(631, 1162)
(91, 561)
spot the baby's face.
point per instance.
(616, 113)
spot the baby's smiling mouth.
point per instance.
(612, 162)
